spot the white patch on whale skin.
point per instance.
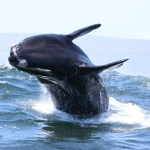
(22, 63)
(15, 47)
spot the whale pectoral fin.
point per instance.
(82, 31)
(99, 69)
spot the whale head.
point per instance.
(45, 53)
(56, 53)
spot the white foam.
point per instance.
(118, 113)
(6, 65)
(3, 82)
(125, 113)
(44, 106)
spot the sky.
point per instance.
(119, 18)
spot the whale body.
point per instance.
(72, 79)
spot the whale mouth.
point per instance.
(14, 59)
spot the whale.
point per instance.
(74, 82)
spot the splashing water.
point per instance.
(118, 112)
(44, 106)
(125, 113)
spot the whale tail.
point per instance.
(98, 69)
(82, 31)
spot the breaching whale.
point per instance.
(74, 82)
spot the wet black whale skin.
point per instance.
(66, 71)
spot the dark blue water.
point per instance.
(28, 119)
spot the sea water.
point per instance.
(29, 120)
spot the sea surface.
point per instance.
(29, 120)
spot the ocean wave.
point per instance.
(121, 117)
(129, 107)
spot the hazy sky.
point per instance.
(119, 18)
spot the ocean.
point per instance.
(30, 121)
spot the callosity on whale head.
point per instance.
(67, 72)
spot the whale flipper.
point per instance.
(82, 31)
(98, 69)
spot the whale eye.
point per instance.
(23, 63)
